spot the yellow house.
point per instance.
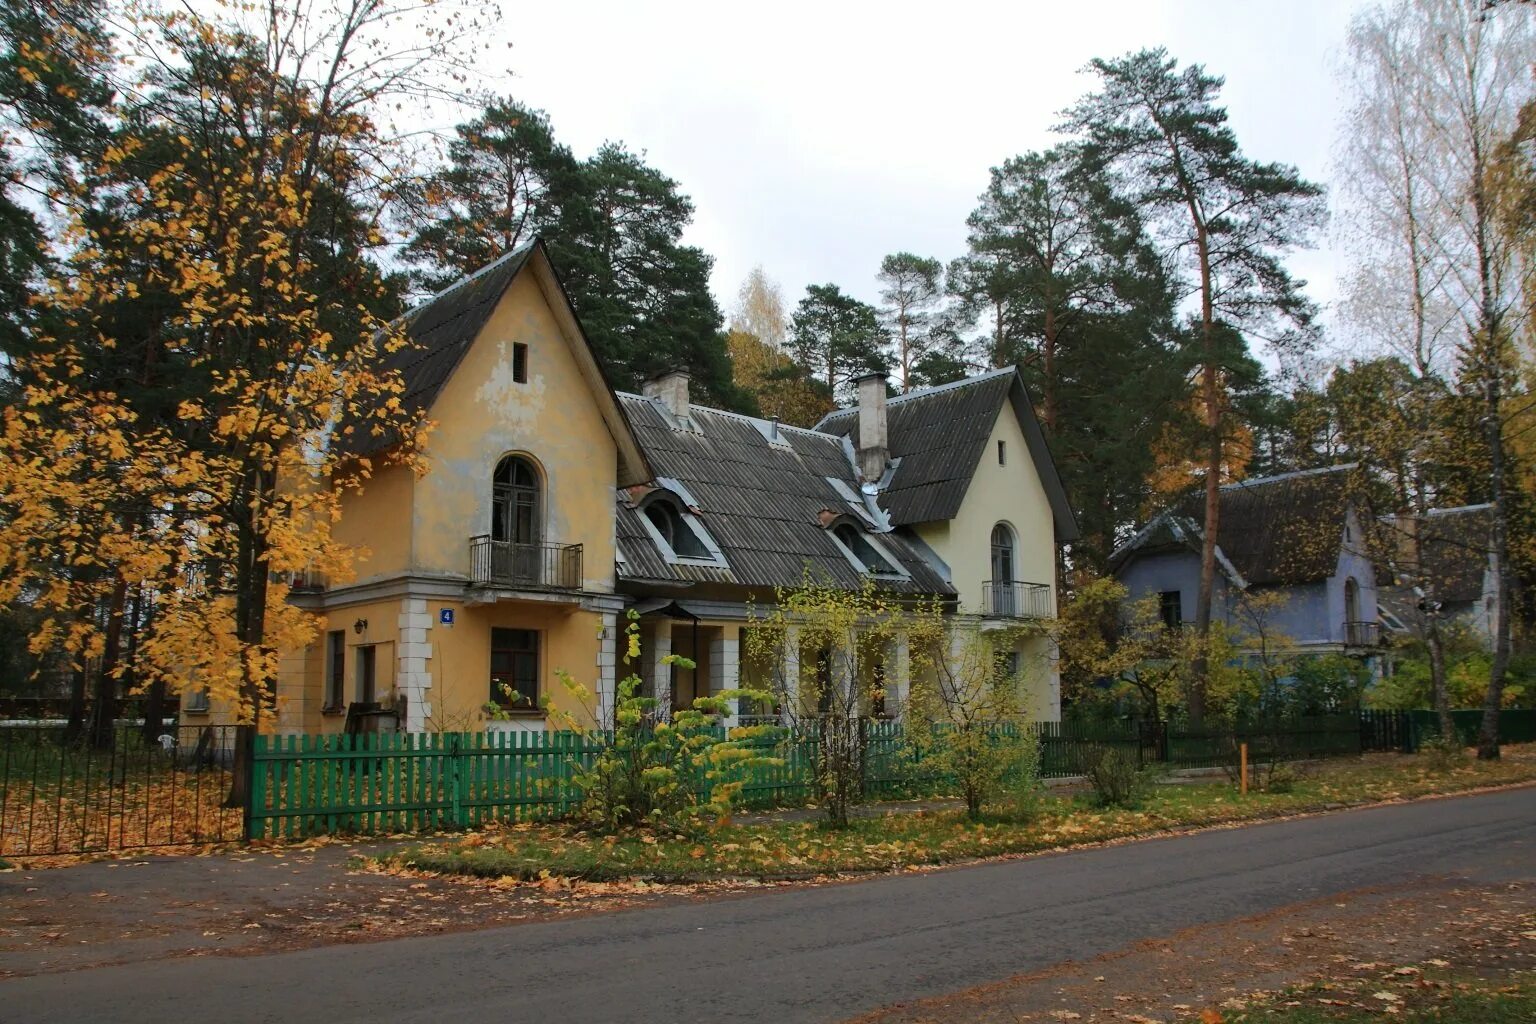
(964, 470)
(496, 566)
(554, 505)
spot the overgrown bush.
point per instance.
(1021, 797)
(672, 776)
(1117, 779)
(1281, 777)
(1442, 753)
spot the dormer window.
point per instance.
(863, 551)
(677, 531)
(669, 523)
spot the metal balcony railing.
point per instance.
(1362, 634)
(502, 563)
(1015, 599)
(306, 581)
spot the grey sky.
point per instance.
(815, 138)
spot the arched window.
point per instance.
(1002, 553)
(516, 516)
(668, 520)
(1006, 596)
(1351, 600)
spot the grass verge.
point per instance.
(1406, 997)
(778, 849)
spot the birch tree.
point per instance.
(1437, 88)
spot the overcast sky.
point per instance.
(815, 138)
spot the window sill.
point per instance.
(197, 712)
(522, 713)
(336, 709)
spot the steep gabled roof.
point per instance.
(1457, 544)
(1278, 529)
(939, 435)
(441, 331)
(760, 500)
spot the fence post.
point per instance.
(256, 790)
(459, 780)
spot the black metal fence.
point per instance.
(60, 795)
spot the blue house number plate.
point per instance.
(445, 616)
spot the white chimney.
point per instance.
(873, 445)
(672, 388)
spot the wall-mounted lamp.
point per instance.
(360, 627)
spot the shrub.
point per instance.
(1442, 753)
(1117, 780)
(1282, 777)
(650, 774)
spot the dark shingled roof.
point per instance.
(1279, 529)
(1456, 543)
(758, 500)
(939, 433)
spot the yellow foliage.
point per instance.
(210, 517)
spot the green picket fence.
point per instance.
(1516, 725)
(374, 784)
(405, 782)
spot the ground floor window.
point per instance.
(335, 667)
(515, 667)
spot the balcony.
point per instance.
(1014, 599)
(502, 563)
(306, 581)
(1362, 634)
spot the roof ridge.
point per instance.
(1292, 475)
(953, 385)
(1457, 510)
(468, 278)
(765, 421)
(925, 392)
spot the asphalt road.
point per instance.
(815, 954)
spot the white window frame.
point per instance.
(716, 556)
(897, 571)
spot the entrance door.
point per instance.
(367, 678)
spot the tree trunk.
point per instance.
(1492, 364)
(250, 627)
(1440, 693)
(1210, 392)
(104, 711)
(1049, 400)
(74, 728)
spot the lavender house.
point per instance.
(1296, 536)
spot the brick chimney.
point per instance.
(873, 448)
(672, 388)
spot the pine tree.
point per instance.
(507, 181)
(1163, 132)
(837, 338)
(911, 287)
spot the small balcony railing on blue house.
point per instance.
(504, 563)
(1362, 634)
(1015, 599)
